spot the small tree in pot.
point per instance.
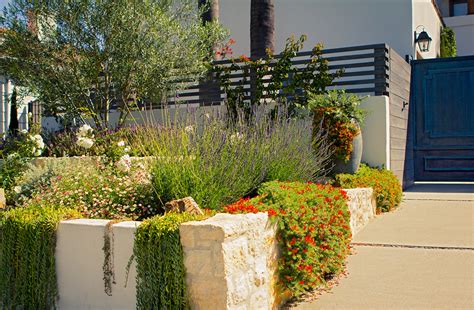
(340, 116)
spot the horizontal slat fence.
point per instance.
(365, 71)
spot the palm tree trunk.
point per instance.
(262, 27)
(209, 90)
(212, 11)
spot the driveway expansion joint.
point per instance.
(409, 246)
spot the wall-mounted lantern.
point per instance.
(423, 40)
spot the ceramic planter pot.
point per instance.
(352, 165)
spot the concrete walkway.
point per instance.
(421, 256)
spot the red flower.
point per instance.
(272, 212)
(244, 58)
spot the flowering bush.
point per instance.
(95, 189)
(340, 115)
(111, 143)
(387, 188)
(85, 137)
(288, 86)
(314, 230)
(24, 143)
(15, 150)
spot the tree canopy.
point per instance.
(83, 57)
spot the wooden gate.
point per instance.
(443, 116)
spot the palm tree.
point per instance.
(262, 27)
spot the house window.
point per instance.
(459, 7)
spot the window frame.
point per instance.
(451, 6)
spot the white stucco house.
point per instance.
(341, 23)
(459, 15)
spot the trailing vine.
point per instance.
(160, 263)
(108, 266)
(448, 43)
(27, 261)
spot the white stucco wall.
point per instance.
(79, 265)
(336, 23)
(463, 27)
(376, 131)
(425, 15)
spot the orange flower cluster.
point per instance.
(314, 232)
(340, 134)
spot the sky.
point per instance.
(3, 3)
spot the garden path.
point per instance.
(420, 256)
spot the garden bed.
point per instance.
(230, 259)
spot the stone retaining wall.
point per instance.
(3, 201)
(231, 261)
(362, 206)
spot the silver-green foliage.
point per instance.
(217, 163)
(82, 57)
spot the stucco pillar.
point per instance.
(2, 106)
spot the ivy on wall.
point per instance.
(158, 252)
(448, 43)
(27, 261)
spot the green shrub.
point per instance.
(10, 168)
(448, 43)
(161, 281)
(387, 188)
(27, 262)
(216, 163)
(314, 230)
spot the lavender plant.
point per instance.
(216, 163)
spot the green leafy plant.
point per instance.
(86, 57)
(341, 116)
(448, 42)
(387, 189)
(27, 261)
(158, 252)
(288, 85)
(10, 168)
(314, 230)
(216, 164)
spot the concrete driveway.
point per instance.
(420, 256)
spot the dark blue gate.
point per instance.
(443, 103)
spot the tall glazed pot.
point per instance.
(352, 165)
